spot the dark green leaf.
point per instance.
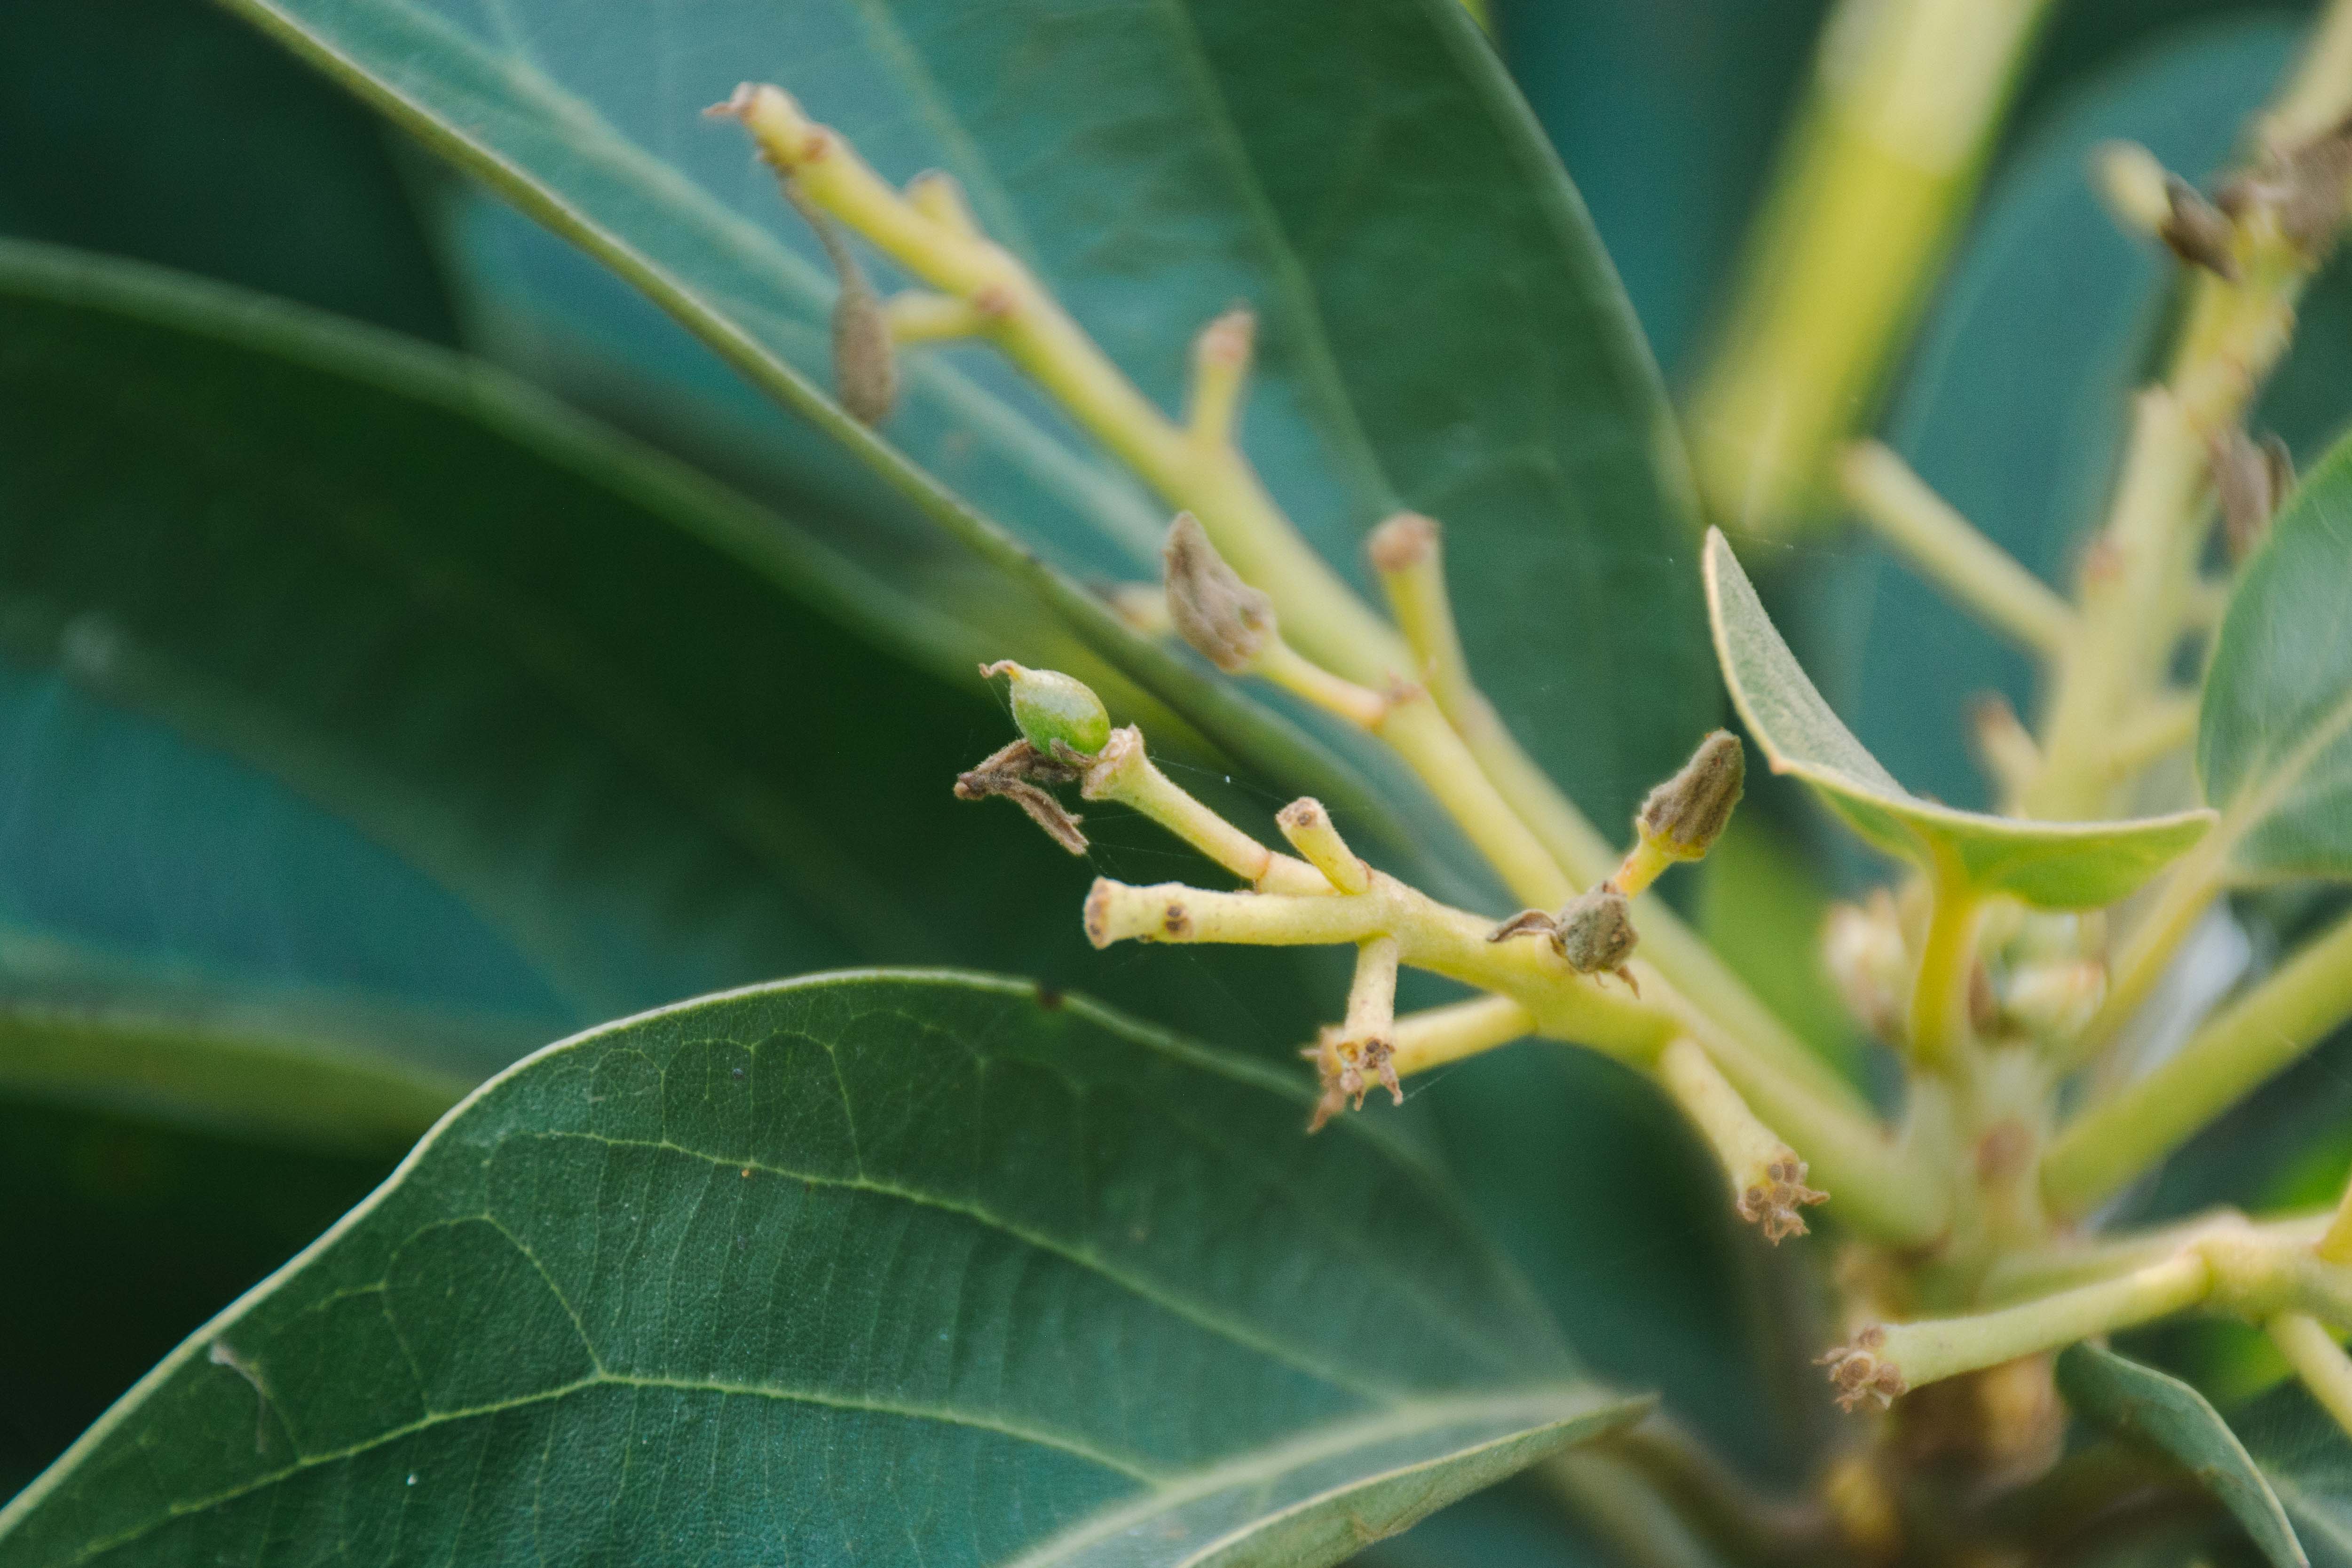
(123, 1235)
(2274, 737)
(2307, 1460)
(2019, 390)
(2142, 1403)
(875, 1267)
(1440, 329)
(2062, 865)
(634, 723)
(309, 1068)
(162, 129)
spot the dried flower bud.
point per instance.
(1223, 618)
(2196, 231)
(1772, 1203)
(1019, 773)
(1055, 710)
(1595, 932)
(2250, 480)
(1684, 815)
(864, 353)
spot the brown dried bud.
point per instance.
(2196, 231)
(1860, 1373)
(1019, 772)
(1773, 1202)
(1684, 815)
(1224, 618)
(1595, 932)
(864, 355)
(2250, 480)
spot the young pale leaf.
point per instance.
(2274, 737)
(1439, 328)
(2153, 1407)
(874, 1267)
(2060, 865)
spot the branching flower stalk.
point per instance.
(1969, 1202)
(1541, 846)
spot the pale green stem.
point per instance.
(1893, 1199)
(1907, 97)
(1442, 1035)
(1939, 994)
(2233, 1053)
(1309, 829)
(2335, 1244)
(2318, 1360)
(1408, 552)
(1371, 995)
(1950, 552)
(1420, 734)
(1765, 1177)
(1124, 773)
(2315, 100)
(1933, 1349)
(1552, 850)
(2043, 1270)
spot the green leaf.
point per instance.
(2142, 1403)
(162, 129)
(917, 1265)
(308, 1068)
(2307, 1461)
(2274, 735)
(2063, 866)
(1347, 170)
(648, 732)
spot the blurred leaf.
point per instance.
(633, 721)
(121, 1237)
(2274, 735)
(1666, 115)
(1761, 906)
(2062, 865)
(2142, 1403)
(982, 1240)
(2307, 1460)
(162, 129)
(1346, 171)
(311, 1069)
(2017, 397)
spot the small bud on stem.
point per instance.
(1594, 933)
(1684, 816)
(1055, 710)
(2250, 480)
(1225, 620)
(2196, 231)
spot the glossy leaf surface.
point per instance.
(1439, 329)
(856, 1269)
(2063, 866)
